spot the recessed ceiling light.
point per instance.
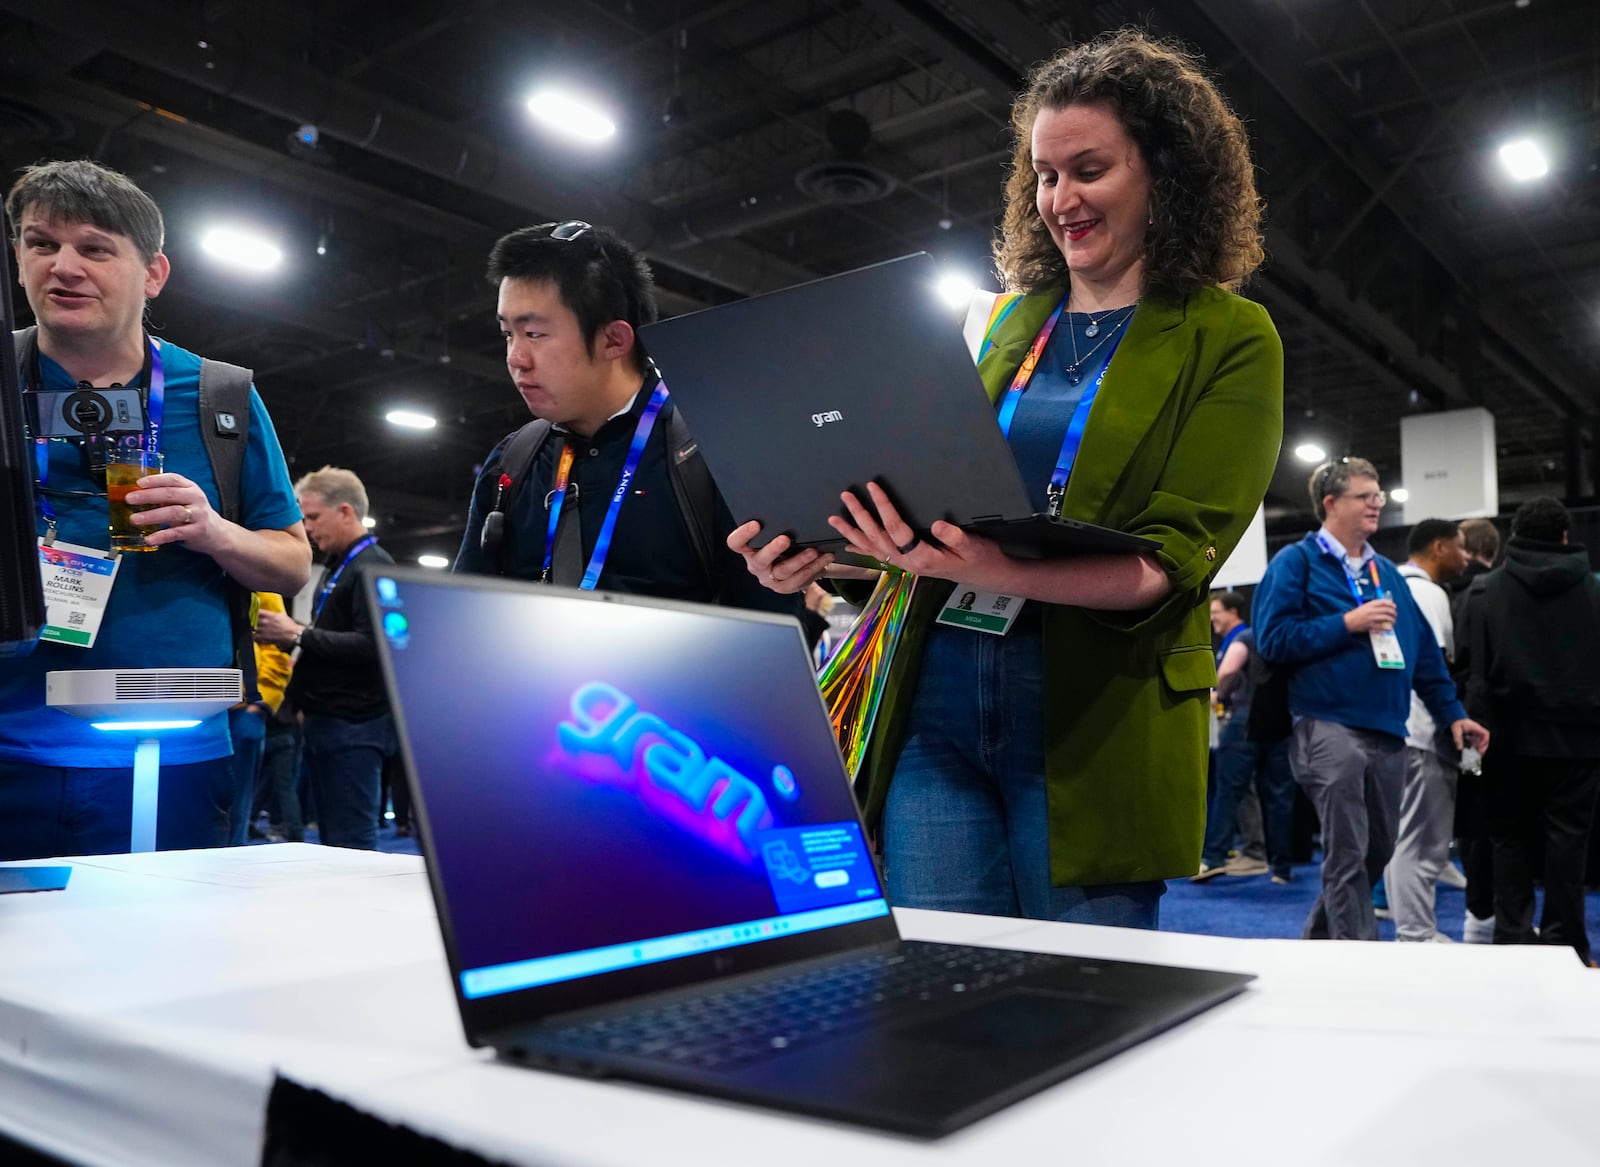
(369, 522)
(1310, 452)
(1399, 494)
(572, 116)
(955, 289)
(410, 419)
(1524, 159)
(434, 561)
(242, 249)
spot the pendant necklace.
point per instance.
(1075, 370)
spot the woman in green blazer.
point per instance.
(1058, 770)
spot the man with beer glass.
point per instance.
(116, 418)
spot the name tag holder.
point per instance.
(989, 612)
(77, 588)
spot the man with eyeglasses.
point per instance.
(605, 487)
(1343, 619)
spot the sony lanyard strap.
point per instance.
(1073, 438)
(1353, 578)
(154, 409)
(333, 580)
(630, 466)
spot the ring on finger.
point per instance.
(188, 515)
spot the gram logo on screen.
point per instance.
(673, 774)
(821, 419)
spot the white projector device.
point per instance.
(144, 694)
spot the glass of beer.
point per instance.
(125, 465)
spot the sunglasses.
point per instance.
(571, 229)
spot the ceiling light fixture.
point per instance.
(1524, 159)
(241, 249)
(410, 419)
(369, 522)
(1399, 494)
(572, 116)
(1310, 452)
(434, 561)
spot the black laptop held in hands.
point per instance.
(648, 865)
(800, 394)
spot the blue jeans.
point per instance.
(47, 811)
(966, 827)
(344, 760)
(247, 729)
(280, 781)
(1240, 761)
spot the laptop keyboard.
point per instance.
(720, 1030)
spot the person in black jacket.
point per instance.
(336, 686)
(1482, 541)
(1533, 644)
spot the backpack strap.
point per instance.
(223, 404)
(515, 461)
(696, 496)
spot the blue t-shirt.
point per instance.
(168, 608)
(1046, 406)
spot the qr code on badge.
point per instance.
(77, 617)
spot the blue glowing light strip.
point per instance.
(143, 725)
(528, 974)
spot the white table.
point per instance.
(145, 1010)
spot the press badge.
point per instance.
(77, 585)
(1386, 645)
(983, 611)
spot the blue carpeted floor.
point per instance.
(1248, 906)
(1254, 906)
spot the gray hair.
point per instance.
(336, 485)
(1334, 478)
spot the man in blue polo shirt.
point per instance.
(1342, 618)
(88, 249)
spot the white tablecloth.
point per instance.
(145, 1010)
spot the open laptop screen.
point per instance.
(606, 785)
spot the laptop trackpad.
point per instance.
(1022, 1020)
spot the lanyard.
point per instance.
(333, 580)
(155, 409)
(1229, 639)
(1353, 578)
(630, 466)
(1073, 438)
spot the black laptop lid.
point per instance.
(800, 394)
(617, 796)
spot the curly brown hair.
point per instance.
(1206, 214)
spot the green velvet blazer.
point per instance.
(1179, 448)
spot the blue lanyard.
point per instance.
(155, 409)
(1229, 639)
(1353, 578)
(333, 580)
(630, 466)
(1073, 438)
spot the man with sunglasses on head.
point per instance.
(605, 488)
(1342, 618)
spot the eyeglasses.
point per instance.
(570, 230)
(1370, 497)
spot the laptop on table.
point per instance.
(648, 864)
(799, 394)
